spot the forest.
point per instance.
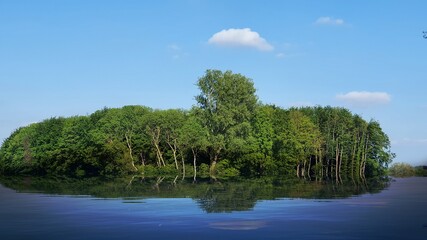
(228, 132)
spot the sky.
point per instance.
(73, 57)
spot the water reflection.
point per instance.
(238, 225)
(211, 196)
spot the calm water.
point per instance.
(34, 208)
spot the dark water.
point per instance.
(36, 208)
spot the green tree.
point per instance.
(193, 137)
(401, 170)
(120, 131)
(378, 152)
(302, 140)
(16, 155)
(75, 153)
(226, 104)
(172, 122)
(255, 159)
(227, 128)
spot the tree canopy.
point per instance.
(228, 132)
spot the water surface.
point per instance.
(36, 208)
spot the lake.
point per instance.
(171, 208)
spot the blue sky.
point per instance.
(64, 58)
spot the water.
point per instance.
(36, 208)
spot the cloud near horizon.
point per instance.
(365, 98)
(243, 37)
(410, 142)
(329, 21)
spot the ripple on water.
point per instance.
(238, 225)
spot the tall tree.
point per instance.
(226, 105)
(378, 154)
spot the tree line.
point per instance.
(228, 132)
(402, 170)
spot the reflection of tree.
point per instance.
(212, 197)
(425, 34)
(228, 197)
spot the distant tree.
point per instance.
(421, 171)
(378, 153)
(401, 170)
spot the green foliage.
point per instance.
(204, 170)
(224, 170)
(225, 106)
(228, 133)
(421, 171)
(401, 170)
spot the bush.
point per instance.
(421, 171)
(401, 170)
(223, 169)
(203, 170)
(150, 170)
(80, 172)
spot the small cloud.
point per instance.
(410, 142)
(365, 98)
(280, 55)
(174, 47)
(243, 37)
(176, 51)
(329, 21)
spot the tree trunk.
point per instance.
(364, 158)
(142, 159)
(337, 153)
(339, 166)
(174, 150)
(214, 162)
(174, 181)
(129, 143)
(353, 156)
(183, 166)
(303, 168)
(194, 163)
(173, 146)
(160, 161)
(213, 166)
(155, 134)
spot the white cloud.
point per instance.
(280, 55)
(174, 47)
(365, 98)
(176, 51)
(329, 21)
(243, 37)
(410, 142)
